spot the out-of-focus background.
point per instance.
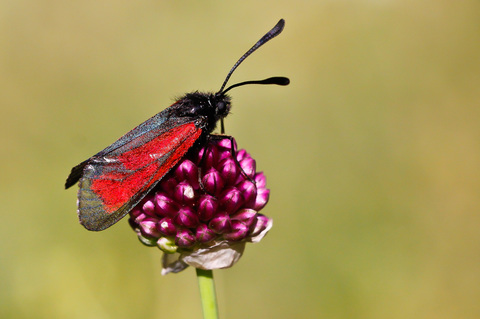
(372, 154)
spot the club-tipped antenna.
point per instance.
(276, 30)
(278, 80)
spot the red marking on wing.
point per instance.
(136, 170)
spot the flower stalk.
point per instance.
(208, 297)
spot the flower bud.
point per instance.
(204, 234)
(137, 215)
(187, 171)
(207, 207)
(260, 225)
(238, 232)
(167, 227)
(184, 193)
(209, 157)
(249, 191)
(184, 238)
(248, 165)
(166, 206)
(187, 217)
(213, 182)
(149, 208)
(229, 169)
(230, 200)
(167, 245)
(263, 195)
(147, 241)
(220, 223)
(168, 185)
(226, 145)
(246, 216)
(148, 227)
(260, 180)
(241, 154)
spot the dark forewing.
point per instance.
(116, 179)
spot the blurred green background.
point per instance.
(372, 154)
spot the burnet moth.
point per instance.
(116, 179)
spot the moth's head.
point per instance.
(221, 103)
(212, 106)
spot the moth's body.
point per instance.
(164, 138)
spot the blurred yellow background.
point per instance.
(372, 154)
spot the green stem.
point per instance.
(207, 293)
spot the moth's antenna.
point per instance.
(276, 30)
(278, 80)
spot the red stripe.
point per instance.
(148, 162)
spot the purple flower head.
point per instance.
(204, 211)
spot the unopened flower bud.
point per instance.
(166, 205)
(207, 207)
(148, 227)
(248, 165)
(238, 232)
(204, 234)
(188, 171)
(167, 245)
(241, 154)
(213, 182)
(231, 199)
(260, 225)
(149, 208)
(137, 215)
(210, 157)
(263, 195)
(167, 227)
(186, 217)
(147, 241)
(260, 180)
(168, 185)
(246, 216)
(226, 145)
(220, 223)
(229, 170)
(184, 238)
(249, 191)
(184, 193)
